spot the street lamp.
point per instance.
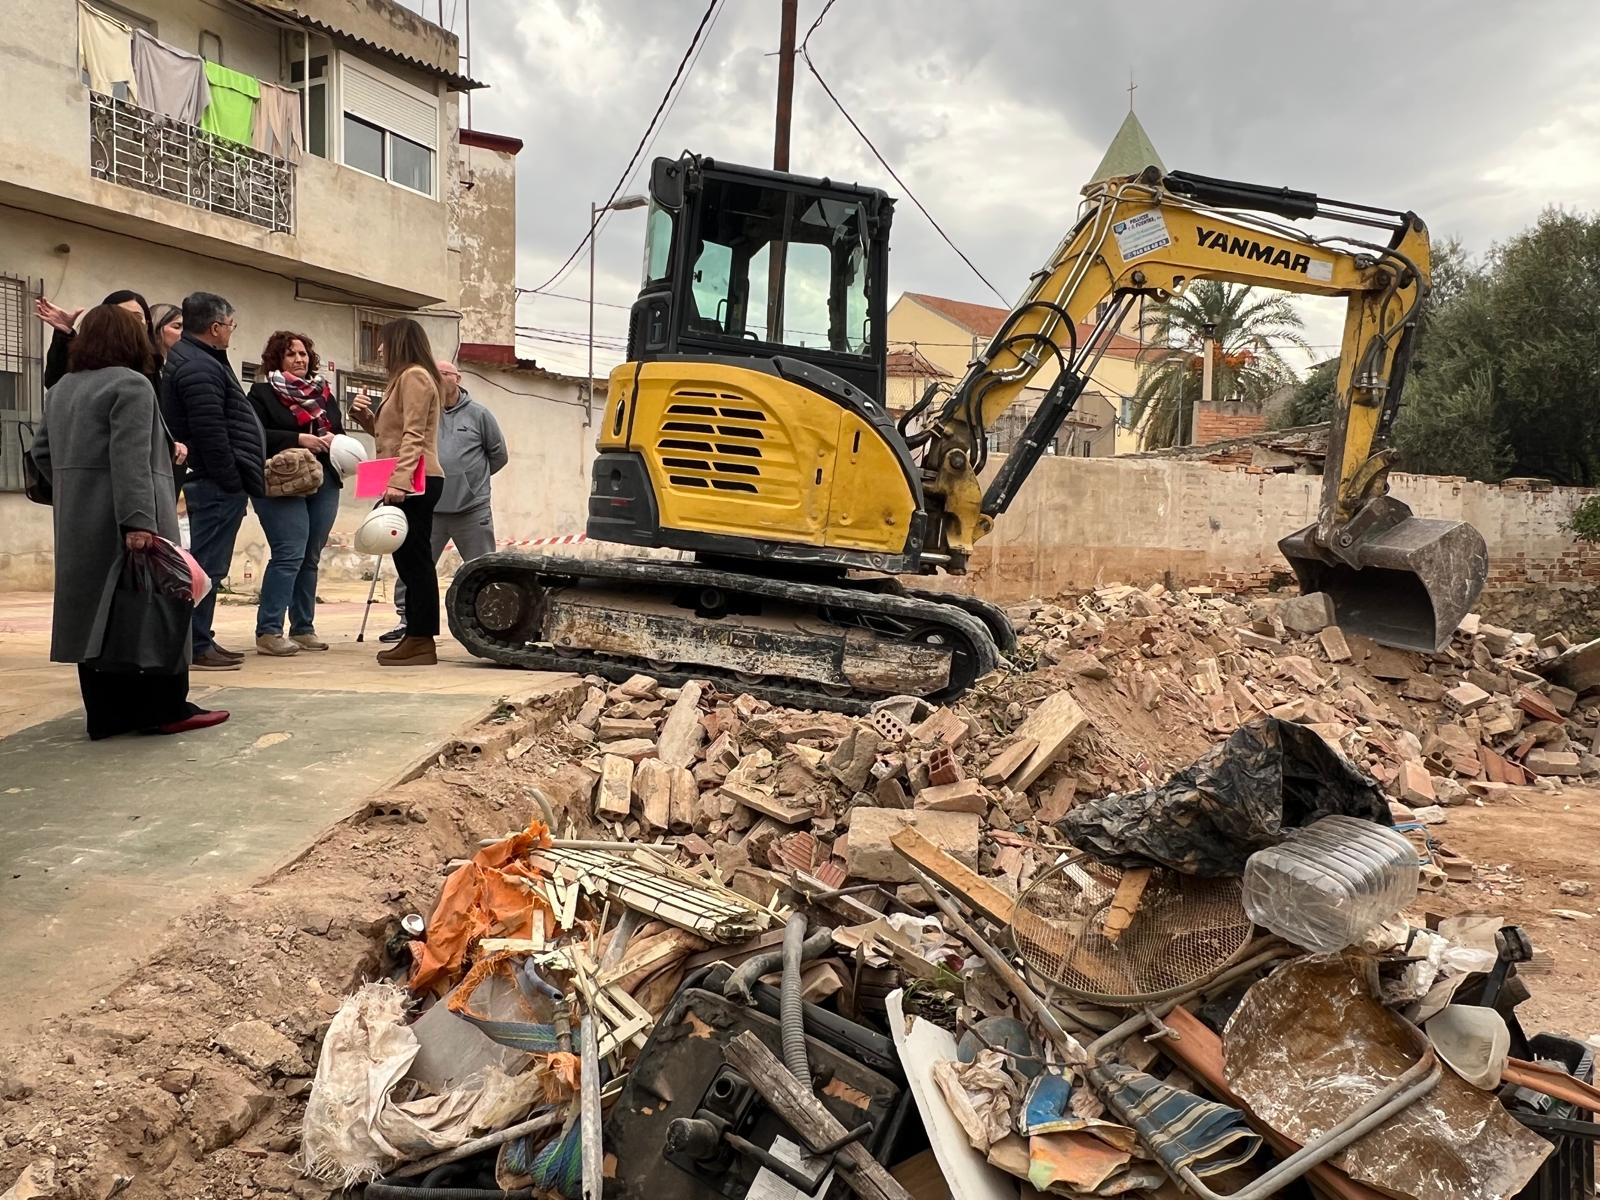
(620, 204)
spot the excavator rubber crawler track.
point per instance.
(527, 573)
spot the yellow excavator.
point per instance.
(748, 432)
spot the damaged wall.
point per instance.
(1080, 523)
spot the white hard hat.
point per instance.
(345, 453)
(382, 531)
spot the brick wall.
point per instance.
(1224, 419)
(1083, 523)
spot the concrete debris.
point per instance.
(692, 821)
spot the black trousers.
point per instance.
(121, 702)
(413, 562)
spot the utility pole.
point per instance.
(780, 135)
(790, 11)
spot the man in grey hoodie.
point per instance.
(471, 449)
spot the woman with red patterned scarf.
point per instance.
(297, 409)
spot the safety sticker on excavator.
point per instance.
(1141, 234)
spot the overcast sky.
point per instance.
(1475, 114)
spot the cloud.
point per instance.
(1474, 114)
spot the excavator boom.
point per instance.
(1402, 580)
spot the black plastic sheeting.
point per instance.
(1237, 798)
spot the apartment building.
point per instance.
(325, 188)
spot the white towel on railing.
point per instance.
(170, 81)
(105, 51)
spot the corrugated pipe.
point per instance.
(791, 1011)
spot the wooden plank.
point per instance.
(799, 1107)
(1125, 904)
(960, 880)
(1053, 724)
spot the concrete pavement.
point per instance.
(102, 843)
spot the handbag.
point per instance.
(293, 472)
(36, 485)
(148, 622)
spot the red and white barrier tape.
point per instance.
(560, 539)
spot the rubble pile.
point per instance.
(772, 948)
(1099, 929)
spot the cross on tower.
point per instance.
(1131, 88)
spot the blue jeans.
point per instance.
(214, 518)
(297, 529)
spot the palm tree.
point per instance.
(1248, 329)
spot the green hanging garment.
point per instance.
(231, 112)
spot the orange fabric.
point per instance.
(479, 899)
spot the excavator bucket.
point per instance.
(1403, 581)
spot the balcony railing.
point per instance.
(137, 148)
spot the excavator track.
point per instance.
(500, 605)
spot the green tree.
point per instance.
(1507, 373)
(1312, 400)
(1249, 326)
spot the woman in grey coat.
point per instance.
(108, 455)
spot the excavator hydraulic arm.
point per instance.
(1400, 579)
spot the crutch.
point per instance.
(377, 570)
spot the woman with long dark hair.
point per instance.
(108, 455)
(406, 428)
(63, 323)
(297, 411)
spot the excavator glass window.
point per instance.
(657, 245)
(779, 267)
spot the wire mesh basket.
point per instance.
(1183, 930)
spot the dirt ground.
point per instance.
(1524, 846)
(135, 1095)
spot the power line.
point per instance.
(705, 20)
(922, 208)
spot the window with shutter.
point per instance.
(390, 129)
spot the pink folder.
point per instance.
(372, 477)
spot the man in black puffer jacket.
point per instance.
(207, 410)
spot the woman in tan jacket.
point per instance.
(406, 427)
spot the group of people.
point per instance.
(142, 406)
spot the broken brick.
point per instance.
(943, 726)
(869, 856)
(851, 763)
(1537, 707)
(614, 799)
(966, 795)
(610, 729)
(652, 788)
(682, 732)
(1415, 785)
(943, 767)
(1003, 765)
(1334, 644)
(1552, 762)
(1465, 697)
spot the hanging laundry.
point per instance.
(231, 113)
(170, 81)
(278, 122)
(105, 49)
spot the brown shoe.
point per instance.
(224, 652)
(275, 645)
(212, 661)
(308, 641)
(410, 652)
